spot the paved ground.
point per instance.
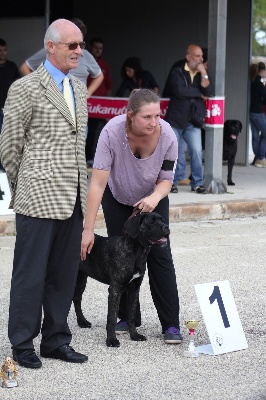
(246, 198)
(204, 251)
(211, 242)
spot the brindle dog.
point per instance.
(120, 262)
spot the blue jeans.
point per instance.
(182, 162)
(192, 137)
(258, 130)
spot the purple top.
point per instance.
(132, 178)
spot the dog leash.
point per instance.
(135, 212)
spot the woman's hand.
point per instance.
(148, 204)
(87, 242)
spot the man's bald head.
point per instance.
(192, 49)
(58, 29)
(194, 56)
(63, 42)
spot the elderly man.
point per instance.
(186, 86)
(42, 148)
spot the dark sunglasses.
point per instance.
(74, 46)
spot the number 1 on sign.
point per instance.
(216, 295)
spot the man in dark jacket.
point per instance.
(187, 86)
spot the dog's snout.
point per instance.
(167, 230)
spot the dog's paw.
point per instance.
(112, 343)
(137, 337)
(231, 183)
(83, 323)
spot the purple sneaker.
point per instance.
(121, 327)
(172, 335)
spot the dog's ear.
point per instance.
(132, 225)
(240, 126)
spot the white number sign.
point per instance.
(221, 318)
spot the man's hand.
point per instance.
(201, 69)
(87, 243)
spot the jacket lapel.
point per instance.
(54, 95)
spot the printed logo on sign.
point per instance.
(218, 341)
(214, 112)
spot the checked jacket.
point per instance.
(42, 149)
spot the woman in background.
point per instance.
(134, 77)
(257, 116)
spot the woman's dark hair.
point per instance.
(261, 66)
(132, 62)
(253, 71)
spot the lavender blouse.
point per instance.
(132, 178)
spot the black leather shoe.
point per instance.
(66, 353)
(27, 358)
(199, 189)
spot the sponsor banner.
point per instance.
(215, 112)
(109, 107)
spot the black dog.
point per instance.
(120, 262)
(232, 128)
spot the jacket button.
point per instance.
(73, 132)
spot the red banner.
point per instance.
(109, 107)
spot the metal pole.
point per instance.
(213, 161)
(47, 13)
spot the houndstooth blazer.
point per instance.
(42, 149)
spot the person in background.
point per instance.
(262, 71)
(105, 89)
(180, 175)
(133, 167)
(42, 147)
(133, 77)
(8, 74)
(257, 116)
(188, 82)
(87, 64)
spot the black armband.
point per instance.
(168, 165)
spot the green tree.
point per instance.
(259, 28)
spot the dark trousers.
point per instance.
(45, 268)
(162, 277)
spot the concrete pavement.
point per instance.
(246, 198)
(209, 244)
(203, 252)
